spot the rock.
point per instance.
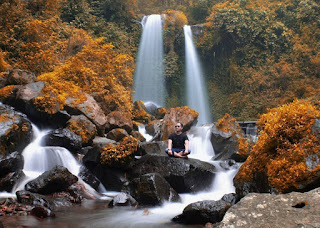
(8, 181)
(56, 180)
(224, 144)
(82, 126)
(29, 198)
(152, 189)
(20, 77)
(137, 135)
(139, 112)
(15, 130)
(118, 119)
(117, 134)
(123, 199)
(185, 115)
(184, 175)
(89, 178)
(11, 163)
(206, 211)
(158, 147)
(42, 212)
(3, 80)
(89, 108)
(154, 128)
(283, 210)
(64, 138)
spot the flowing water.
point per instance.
(197, 97)
(149, 84)
(95, 213)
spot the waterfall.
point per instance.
(196, 90)
(149, 82)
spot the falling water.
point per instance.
(196, 90)
(149, 76)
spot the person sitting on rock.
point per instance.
(178, 143)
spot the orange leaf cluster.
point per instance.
(118, 155)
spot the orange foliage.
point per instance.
(121, 154)
(3, 64)
(97, 70)
(285, 143)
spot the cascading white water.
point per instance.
(38, 159)
(149, 82)
(196, 90)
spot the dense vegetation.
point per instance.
(256, 54)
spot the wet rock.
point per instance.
(117, 134)
(184, 175)
(8, 181)
(123, 199)
(11, 163)
(15, 130)
(20, 77)
(56, 180)
(64, 138)
(152, 189)
(89, 178)
(34, 199)
(185, 115)
(206, 211)
(118, 119)
(283, 210)
(42, 212)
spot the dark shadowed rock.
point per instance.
(64, 138)
(15, 130)
(158, 147)
(184, 175)
(206, 211)
(56, 180)
(11, 163)
(42, 212)
(8, 181)
(29, 198)
(123, 199)
(89, 178)
(20, 77)
(283, 210)
(152, 189)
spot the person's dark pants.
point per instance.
(177, 150)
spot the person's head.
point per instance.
(178, 127)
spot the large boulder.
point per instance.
(56, 180)
(117, 134)
(184, 175)
(64, 138)
(208, 211)
(185, 115)
(15, 130)
(139, 112)
(89, 178)
(89, 108)
(22, 97)
(152, 189)
(118, 119)
(267, 210)
(158, 147)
